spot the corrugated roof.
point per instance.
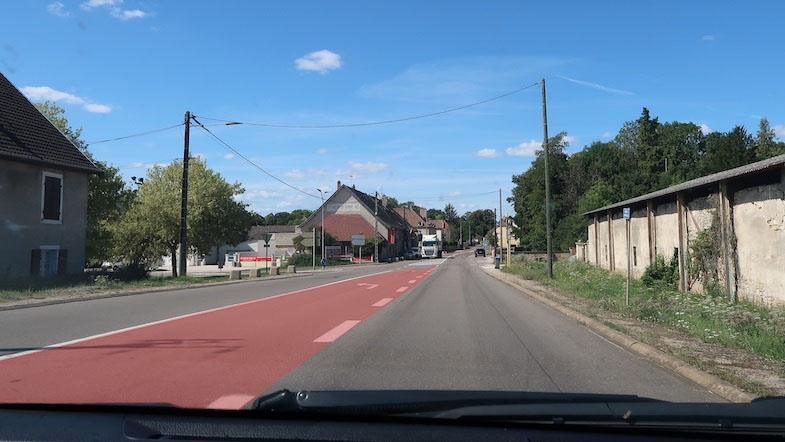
(774, 162)
(257, 232)
(27, 136)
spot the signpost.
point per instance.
(626, 215)
(267, 237)
(359, 240)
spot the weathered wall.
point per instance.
(639, 242)
(759, 222)
(666, 221)
(619, 232)
(591, 245)
(21, 229)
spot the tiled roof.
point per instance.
(257, 232)
(413, 219)
(27, 136)
(386, 215)
(343, 226)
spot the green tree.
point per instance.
(108, 195)
(481, 222)
(528, 195)
(151, 227)
(765, 145)
(727, 150)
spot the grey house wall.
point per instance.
(21, 227)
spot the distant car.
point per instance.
(479, 251)
(110, 265)
(412, 253)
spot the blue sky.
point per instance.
(125, 67)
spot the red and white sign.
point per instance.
(256, 258)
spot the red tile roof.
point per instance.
(343, 226)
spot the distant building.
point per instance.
(43, 192)
(349, 212)
(746, 205)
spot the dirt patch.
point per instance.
(753, 373)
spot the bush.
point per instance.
(302, 260)
(661, 273)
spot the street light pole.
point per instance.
(322, 194)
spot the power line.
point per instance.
(234, 151)
(134, 135)
(373, 123)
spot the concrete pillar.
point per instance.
(726, 236)
(652, 225)
(611, 258)
(234, 274)
(597, 239)
(681, 211)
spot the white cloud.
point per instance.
(606, 134)
(202, 157)
(58, 9)
(369, 167)
(42, 93)
(228, 156)
(114, 9)
(525, 149)
(779, 130)
(295, 174)
(705, 129)
(598, 86)
(127, 14)
(321, 151)
(251, 195)
(708, 37)
(569, 139)
(454, 194)
(487, 153)
(90, 4)
(97, 108)
(319, 61)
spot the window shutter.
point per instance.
(35, 262)
(62, 262)
(52, 201)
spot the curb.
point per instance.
(46, 302)
(712, 383)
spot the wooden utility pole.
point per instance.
(546, 152)
(184, 199)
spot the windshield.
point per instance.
(204, 202)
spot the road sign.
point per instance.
(626, 212)
(358, 240)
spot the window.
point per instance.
(635, 256)
(52, 198)
(48, 261)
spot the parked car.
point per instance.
(111, 265)
(479, 251)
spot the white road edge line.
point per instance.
(188, 315)
(338, 331)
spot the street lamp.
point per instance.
(322, 194)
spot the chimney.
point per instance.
(384, 200)
(423, 213)
(338, 187)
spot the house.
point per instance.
(43, 192)
(419, 224)
(741, 209)
(349, 212)
(506, 233)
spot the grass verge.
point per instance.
(713, 319)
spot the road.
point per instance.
(431, 324)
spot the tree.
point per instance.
(765, 146)
(108, 196)
(435, 214)
(151, 227)
(727, 150)
(481, 222)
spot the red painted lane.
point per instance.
(213, 357)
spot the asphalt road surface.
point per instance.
(431, 324)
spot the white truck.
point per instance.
(431, 246)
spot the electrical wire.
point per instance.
(134, 135)
(374, 123)
(247, 160)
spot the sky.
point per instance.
(132, 67)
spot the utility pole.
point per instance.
(376, 227)
(499, 239)
(546, 151)
(184, 200)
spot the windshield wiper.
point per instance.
(529, 407)
(395, 402)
